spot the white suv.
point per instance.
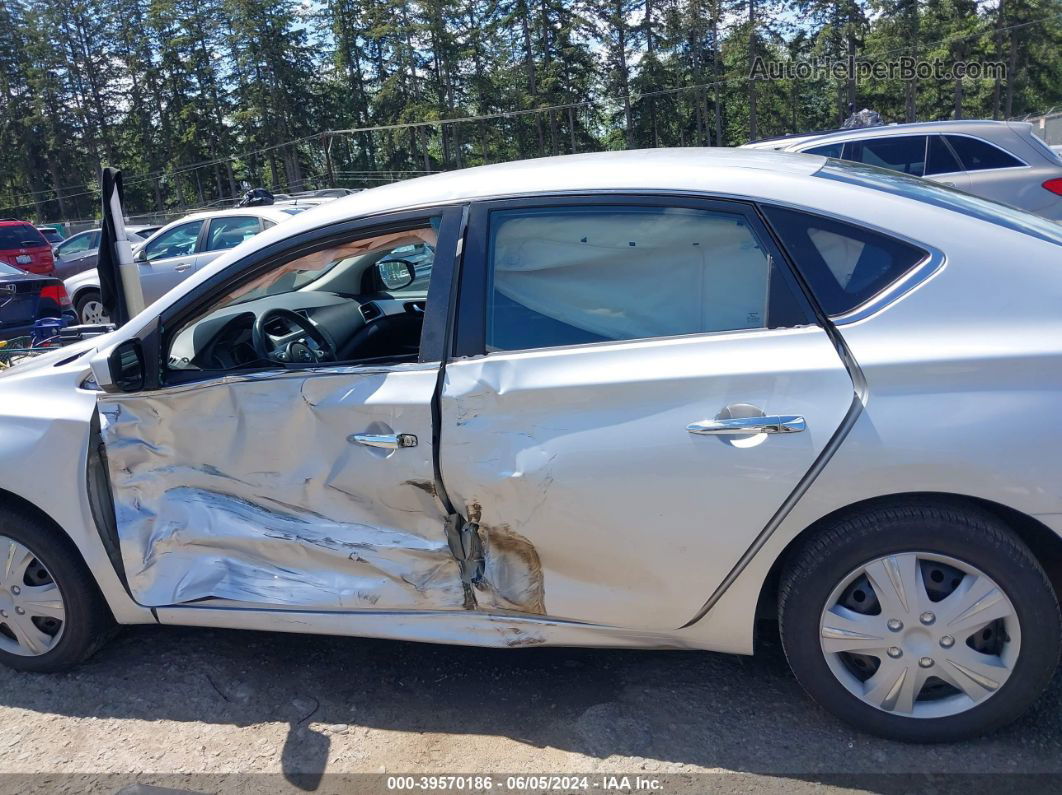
(1002, 161)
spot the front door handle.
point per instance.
(385, 441)
(183, 267)
(784, 423)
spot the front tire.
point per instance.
(923, 622)
(52, 617)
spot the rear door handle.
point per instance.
(385, 441)
(779, 423)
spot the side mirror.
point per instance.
(126, 365)
(141, 256)
(395, 274)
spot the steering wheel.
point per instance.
(292, 347)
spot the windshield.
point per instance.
(416, 247)
(941, 196)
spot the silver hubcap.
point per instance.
(32, 614)
(93, 312)
(920, 635)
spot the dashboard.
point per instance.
(223, 341)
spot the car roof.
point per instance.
(14, 222)
(984, 127)
(267, 211)
(696, 169)
(271, 213)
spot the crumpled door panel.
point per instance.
(248, 489)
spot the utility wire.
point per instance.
(635, 97)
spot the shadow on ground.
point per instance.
(709, 710)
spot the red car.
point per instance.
(24, 247)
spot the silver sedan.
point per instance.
(631, 399)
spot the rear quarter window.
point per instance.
(844, 265)
(977, 155)
(937, 195)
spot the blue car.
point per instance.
(28, 302)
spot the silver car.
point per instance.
(1002, 161)
(79, 252)
(168, 257)
(630, 399)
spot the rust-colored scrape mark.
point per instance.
(475, 512)
(512, 572)
(424, 485)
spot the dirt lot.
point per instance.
(171, 704)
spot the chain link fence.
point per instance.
(1047, 125)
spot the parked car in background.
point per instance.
(174, 253)
(1002, 161)
(51, 234)
(645, 399)
(143, 230)
(22, 246)
(26, 298)
(79, 252)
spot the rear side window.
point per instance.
(230, 231)
(76, 245)
(977, 155)
(939, 158)
(844, 265)
(576, 275)
(21, 236)
(903, 153)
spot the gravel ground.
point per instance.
(165, 706)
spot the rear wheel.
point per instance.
(51, 615)
(907, 621)
(90, 308)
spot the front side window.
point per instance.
(177, 242)
(230, 231)
(978, 155)
(903, 153)
(575, 275)
(76, 245)
(843, 264)
(350, 300)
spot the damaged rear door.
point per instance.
(304, 485)
(639, 387)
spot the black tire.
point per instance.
(953, 529)
(88, 623)
(82, 300)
